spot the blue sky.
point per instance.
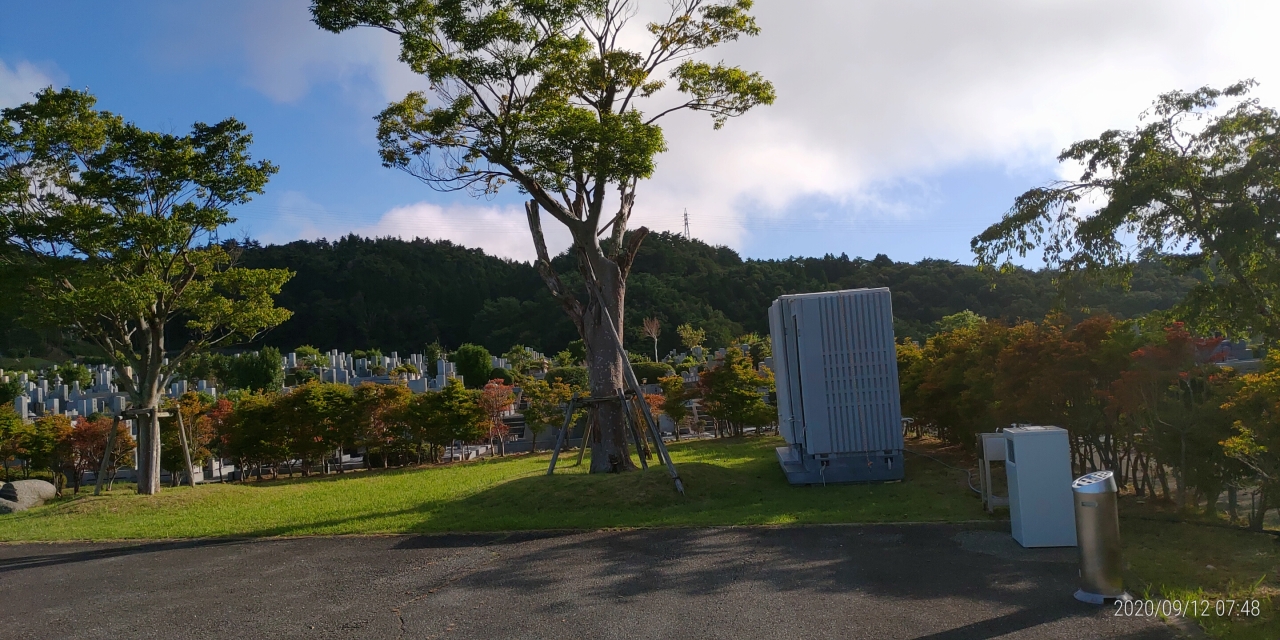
(901, 128)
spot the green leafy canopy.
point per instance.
(116, 229)
(1195, 183)
(541, 93)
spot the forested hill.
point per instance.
(399, 295)
(393, 294)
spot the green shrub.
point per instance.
(474, 363)
(575, 377)
(651, 371)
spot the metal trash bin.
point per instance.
(1098, 536)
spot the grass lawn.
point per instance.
(730, 481)
(1202, 560)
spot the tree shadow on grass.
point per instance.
(377, 472)
(743, 492)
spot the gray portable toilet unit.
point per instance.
(836, 369)
(1041, 507)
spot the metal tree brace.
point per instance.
(111, 444)
(637, 395)
(622, 398)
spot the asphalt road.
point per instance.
(909, 581)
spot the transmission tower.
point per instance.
(686, 224)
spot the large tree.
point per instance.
(113, 228)
(1196, 184)
(548, 95)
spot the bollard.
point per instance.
(1098, 536)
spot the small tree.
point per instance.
(256, 371)
(674, 397)
(377, 411)
(15, 435)
(115, 226)
(1256, 442)
(199, 434)
(1195, 188)
(403, 372)
(9, 391)
(317, 416)
(72, 372)
(690, 337)
(450, 415)
(49, 446)
(651, 372)
(963, 320)
(520, 360)
(421, 417)
(89, 445)
(496, 398)
(731, 392)
(431, 354)
(761, 347)
(308, 356)
(220, 416)
(652, 329)
(474, 364)
(258, 431)
(546, 406)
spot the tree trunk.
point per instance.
(1211, 504)
(1258, 509)
(1183, 501)
(148, 462)
(605, 281)
(186, 448)
(1163, 478)
(609, 452)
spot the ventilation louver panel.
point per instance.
(837, 372)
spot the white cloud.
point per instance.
(877, 92)
(871, 94)
(18, 82)
(501, 231)
(292, 216)
(283, 54)
(287, 54)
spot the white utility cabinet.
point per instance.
(836, 367)
(1041, 508)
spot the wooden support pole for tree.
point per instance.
(586, 436)
(106, 456)
(568, 419)
(629, 417)
(186, 450)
